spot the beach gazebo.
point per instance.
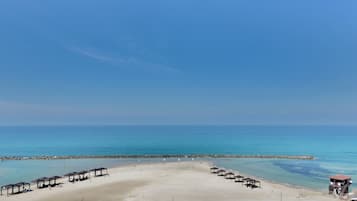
(214, 170)
(255, 183)
(22, 187)
(52, 181)
(221, 172)
(238, 178)
(41, 182)
(229, 175)
(15, 188)
(339, 184)
(247, 182)
(98, 172)
(7, 188)
(83, 175)
(72, 177)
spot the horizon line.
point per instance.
(99, 125)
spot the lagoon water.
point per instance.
(333, 146)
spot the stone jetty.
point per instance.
(293, 157)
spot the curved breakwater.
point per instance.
(293, 157)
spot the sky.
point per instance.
(178, 62)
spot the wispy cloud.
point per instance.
(91, 53)
(124, 62)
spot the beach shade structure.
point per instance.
(255, 183)
(7, 188)
(22, 187)
(238, 178)
(229, 175)
(339, 184)
(247, 181)
(72, 177)
(221, 172)
(16, 188)
(252, 183)
(98, 172)
(41, 182)
(83, 175)
(214, 170)
(52, 181)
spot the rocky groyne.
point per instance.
(148, 156)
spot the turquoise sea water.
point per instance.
(334, 147)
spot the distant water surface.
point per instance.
(334, 147)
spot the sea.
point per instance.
(334, 149)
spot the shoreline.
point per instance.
(154, 176)
(148, 156)
(299, 187)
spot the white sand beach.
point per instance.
(177, 181)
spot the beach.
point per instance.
(232, 100)
(171, 181)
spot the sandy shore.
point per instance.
(179, 181)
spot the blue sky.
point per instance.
(178, 62)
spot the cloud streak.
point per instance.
(92, 54)
(124, 62)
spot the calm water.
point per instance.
(334, 147)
